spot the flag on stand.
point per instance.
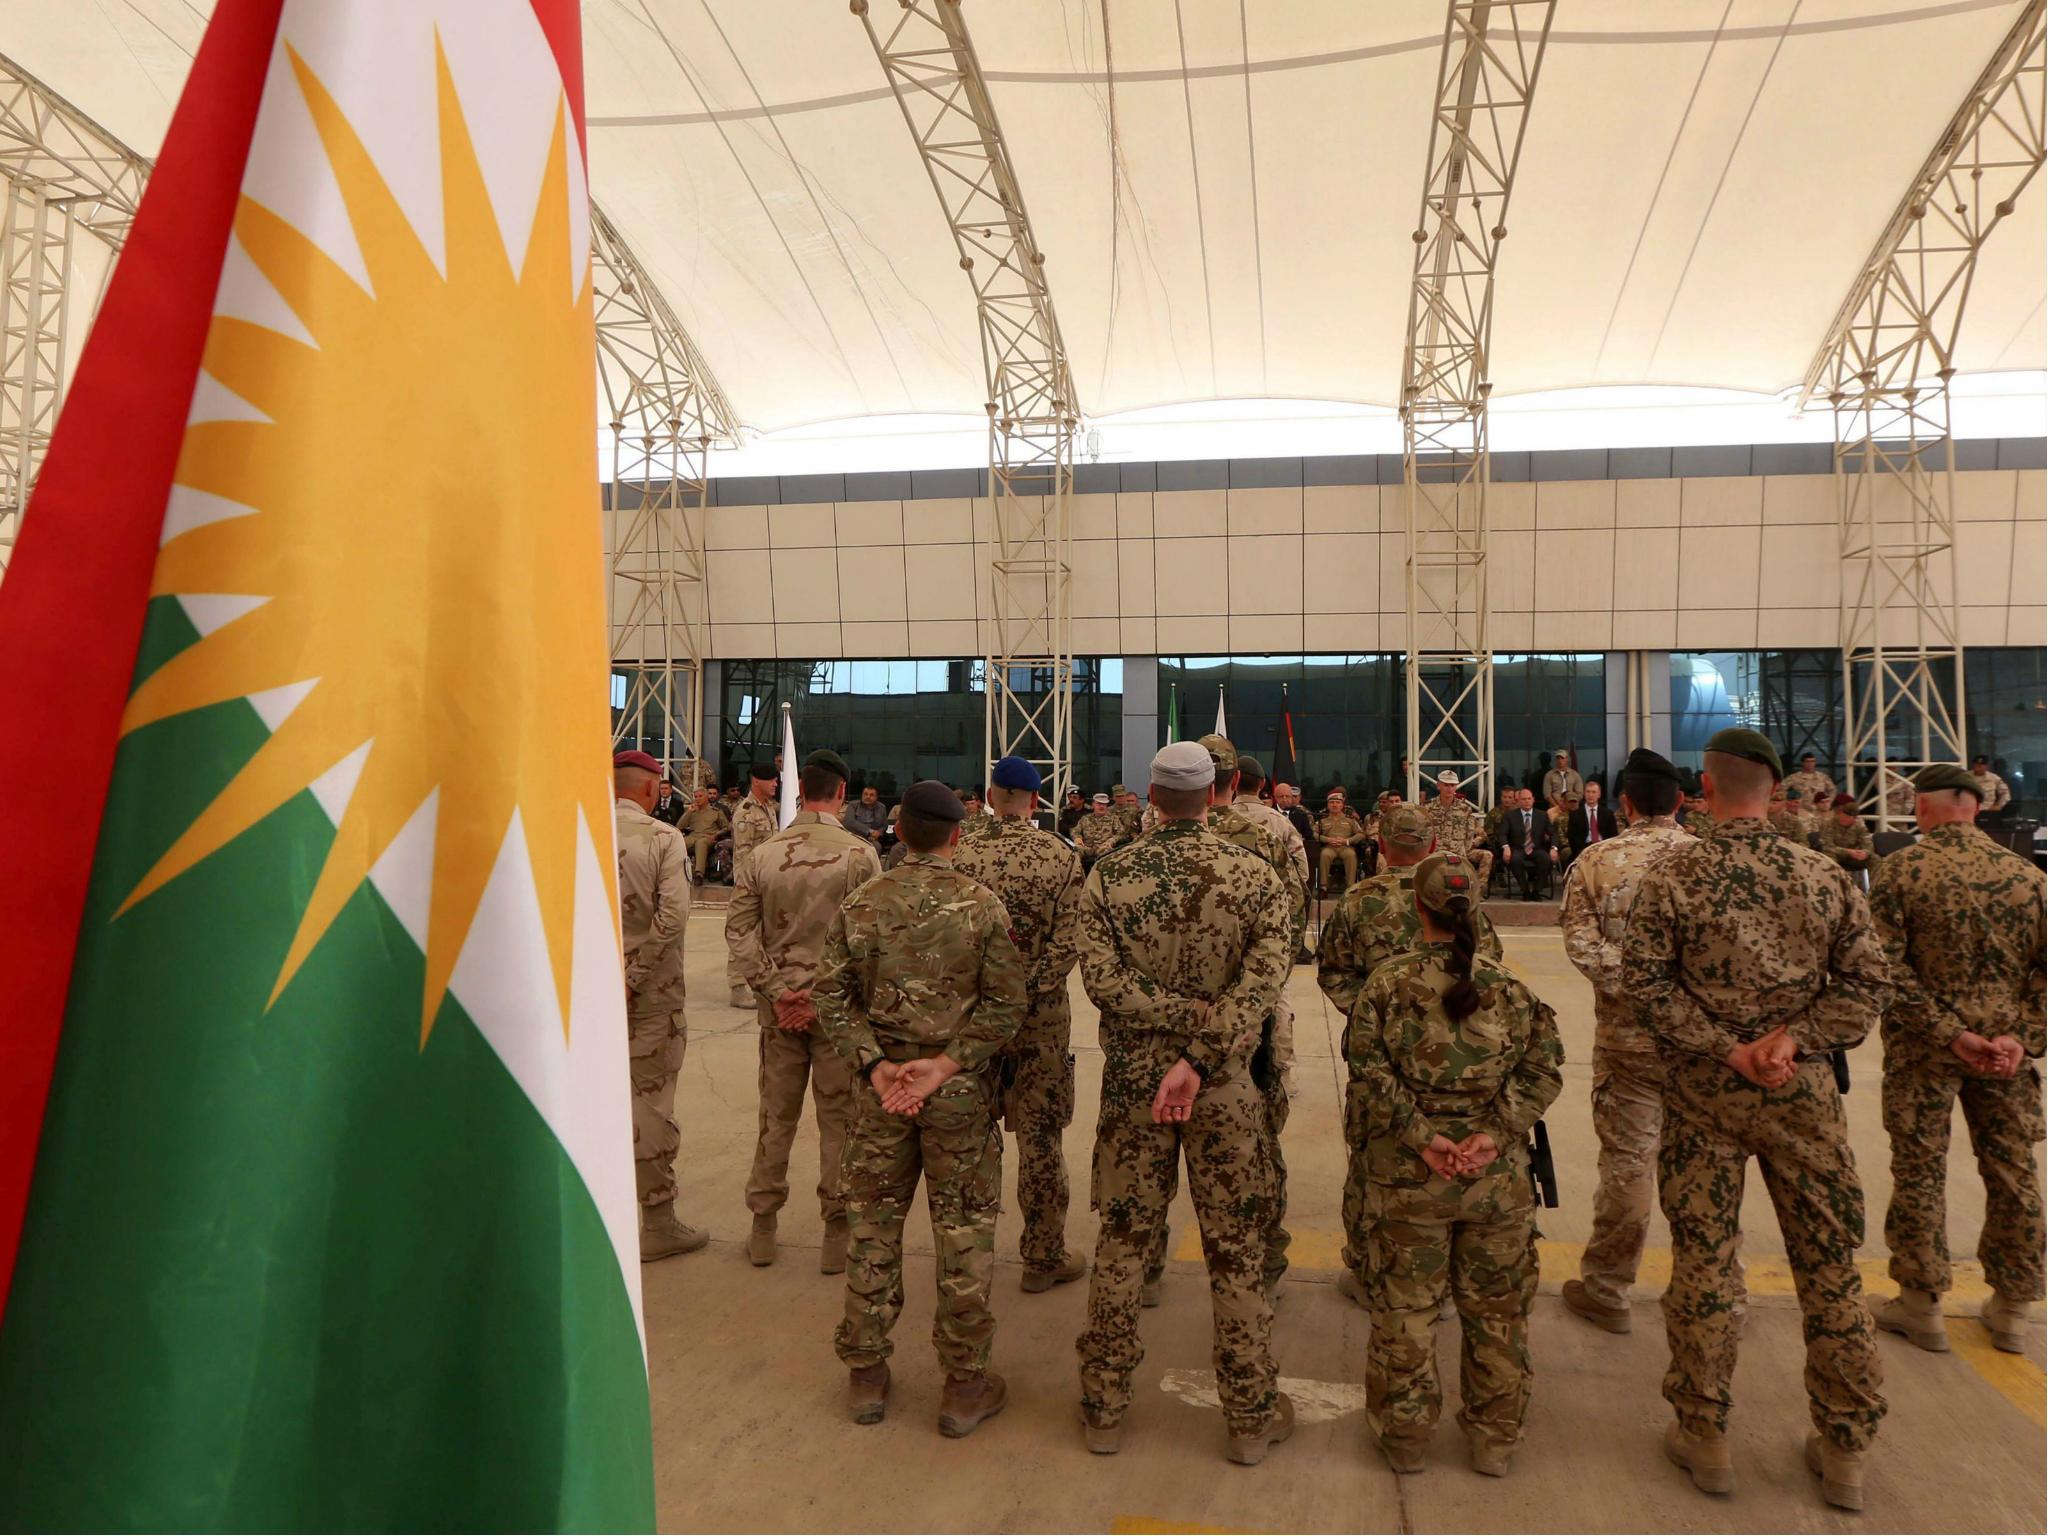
(1222, 729)
(1284, 764)
(317, 1201)
(789, 771)
(1172, 713)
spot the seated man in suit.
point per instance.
(1592, 822)
(1527, 852)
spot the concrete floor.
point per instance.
(751, 1434)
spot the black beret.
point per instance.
(826, 758)
(1644, 764)
(1942, 776)
(933, 801)
(761, 771)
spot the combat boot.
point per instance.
(662, 1236)
(743, 997)
(1403, 1457)
(867, 1392)
(2005, 1321)
(1579, 1300)
(832, 1254)
(1915, 1315)
(1704, 1456)
(1249, 1450)
(1489, 1459)
(968, 1400)
(1103, 1439)
(1153, 1292)
(1352, 1289)
(1840, 1472)
(761, 1241)
(1072, 1267)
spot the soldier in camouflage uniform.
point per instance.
(1372, 923)
(1456, 824)
(1100, 830)
(1037, 877)
(786, 891)
(1749, 959)
(918, 991)
(1452, 1061)
(1961, 919)
(1184, 944)
(1628, 1079)
(654, 910)
(1251, 774)
(1994, 793)
(1790, 821)
(1845, 839)
(1815, 789)
(753, 823)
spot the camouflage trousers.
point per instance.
(1277, 1238)
(1714, 1122)
(1038, 1106)
(1230, 1176)
(954, 1143)
(1476, 1239)
(2003, 1116)
(790, 1060)
(1628, 1117)
(1283, 1032)
(734, 976)
(654, 1046)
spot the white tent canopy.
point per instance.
(1225, 189)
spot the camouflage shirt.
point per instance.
(1234, 825)
(1455, 824)
(1290, 839)
(1836, 840)
(1792, 825)
(654, 905)
(1100, 831)
(1997, 793)
(1598, 892)
(1745, 931)
(1373, 922)
(1815, 789)
(1180, 919)
(752, 825)
(1037, 877)
(1416, 1073)
(920, 958)
(1960, 918)
(784, 896)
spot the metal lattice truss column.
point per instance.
(1486, 77)
(62, 177)
(665, 410)
(1884, 368)
(1029, 677)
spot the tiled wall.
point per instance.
(1695, 563)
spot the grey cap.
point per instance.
(1183, 765)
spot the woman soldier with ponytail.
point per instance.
(1452, 1061)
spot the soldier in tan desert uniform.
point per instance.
(753, 823)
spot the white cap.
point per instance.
(1101, 799)
(1183, 765)
(1448, 776)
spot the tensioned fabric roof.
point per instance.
(1225, 189)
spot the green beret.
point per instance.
(1737, 742)
(1942, 776)
(826, 758)
(932, 800)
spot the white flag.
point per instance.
(1221, 729)
(789, 769)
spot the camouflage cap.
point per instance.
(1444, 881)
(1221, 753)
(1929, 781)
(1406, 828)
(1750, 745)
(1117, 791)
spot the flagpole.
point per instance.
(789, 770)
(1222, 727)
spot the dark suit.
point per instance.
(1531, 868)
(1580, 832)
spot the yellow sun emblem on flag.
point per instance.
(425, 543)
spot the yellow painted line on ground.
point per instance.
(2014, 1377)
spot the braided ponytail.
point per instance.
(1463, 999)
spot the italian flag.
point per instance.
(316, 1192)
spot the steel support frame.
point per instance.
(1884, 368)
(665, 410)
(1486, 77)
(62, 177)
(1028, 671)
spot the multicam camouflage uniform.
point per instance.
(1037, 877)
(1960, 919)
(1180, 920)
(752, 824)
(1726, 940)
(786, 891)
(1628, 1077)
(654, 909)
(1792, 823)
(1458, 828)
(1815, 789)
(1837, 840)
(919, 963)
(1415, 1074)
(1372, 923)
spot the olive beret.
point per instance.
(933, 801)
(1221, 753)
(1252, 766)
(826, 758)
(1942, 776)
(1644, 764)
(1751, 745)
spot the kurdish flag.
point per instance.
(316, 1194)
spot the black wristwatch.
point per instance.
(1201, 1071)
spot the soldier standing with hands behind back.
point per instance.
(753, 823)
(1749, 959)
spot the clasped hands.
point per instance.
(905, 1085)
(1994, 1058)
(795, 1012)
(1768, 1061)
(1450, 1159)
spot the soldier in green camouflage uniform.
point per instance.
(918, 990)
(1373, 922)
(1037, 877)
(1749, 959)
(1452, 1061)
(1961, 919)
(1184, 943)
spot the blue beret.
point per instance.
(1015, 773)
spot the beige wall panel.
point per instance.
(743, 641)
(806, 586)
(1514, 631)
(1140, 636)
(1511, 573)
(1268, 509)
(2029, 565)
(1983, 564)
(1266, 574)
(1799, 499)
(943, 637)
(1592, 630)
(1340, 572)
(884, 641)
(735, 528)
(2031, 504)
(802, 526)
(1801, 566)
(1980, 626)
(1989, 495)
(1266, 635)
(1340, 508)
(1718, 567)
(1574, 571)
(800, 641)
(1720, 501)
(740, 588)
(1190, 576)
(941, 520)
(1646, 631)
(1192, 637)
(1134, 578)
(1512, 504)
(1134, 515)
(1189, 514)
(1097, 637)
(1777, 628)
(1646, 503)
(1345, 633)
(871, 584)
(1094, 591)
(1094, 517)
(940, 580)
(1726, 629)
(868, 522)
(2026, 626)
(1645, 572)
(1575, 504)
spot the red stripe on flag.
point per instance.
(72, 606)
(562, 22)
